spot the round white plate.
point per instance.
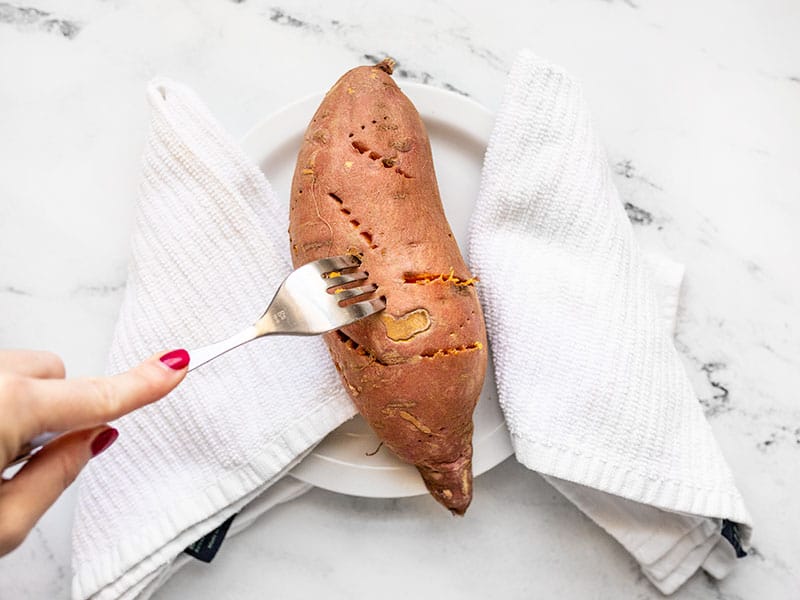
(346, 461)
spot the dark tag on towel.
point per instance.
(730, 531)
(206, 547)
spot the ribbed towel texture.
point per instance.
(590, 383)
(592, 389)
(208, 251)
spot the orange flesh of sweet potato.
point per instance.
(365, 185)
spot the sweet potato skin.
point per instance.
(365, 184)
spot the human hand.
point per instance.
(35, 397)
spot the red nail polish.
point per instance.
(103, 440)
(176, 359)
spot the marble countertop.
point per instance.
(699, 107)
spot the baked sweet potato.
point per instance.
(365, 185)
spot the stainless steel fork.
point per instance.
(310, 301)
(318, 297)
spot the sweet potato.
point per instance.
(365, 185)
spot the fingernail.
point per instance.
(176, 359)
(103, 440)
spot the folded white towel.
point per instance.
(591, 386)
(209, 248)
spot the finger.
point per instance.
(76, 403)
(32, 363)
(25, 498)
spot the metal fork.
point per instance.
(310, 301)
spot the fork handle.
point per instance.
(201, 356)
(29, 449)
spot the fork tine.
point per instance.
(345, 278)
(363, 309)
(336, 263)
(344, 294)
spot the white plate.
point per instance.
(459, 131)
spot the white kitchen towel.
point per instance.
(209, 249)
(592, 388)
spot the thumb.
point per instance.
(26, 497)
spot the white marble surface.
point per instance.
(699, 106)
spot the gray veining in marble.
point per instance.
(28, 18)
